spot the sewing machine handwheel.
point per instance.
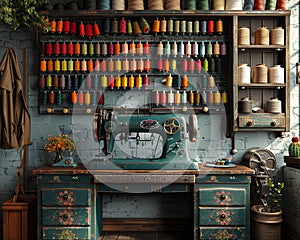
(171, 125)
(193, 128)
(96, 128)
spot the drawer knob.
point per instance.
(65, 196)
(222, 217)
(222, 197)
(65, 216)
(249, 123)
(273, 123)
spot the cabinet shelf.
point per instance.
(276, 47)
(262, 85)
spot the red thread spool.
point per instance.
(111, 49)
(42, 49)
(97, 65)
(88, 30)
(67, 26)
(210, 27)
(146, 48)
(258, 5)
(80, 98)
(159, 65)
(191, 65)
(198, 65)
(281, 5)
(56, 47)
(49, 49)
(122, 26)
(63, 48)
(81, 29)
(101, 99)
(70, 48)
(163, 98)
(96, 30)
(73, 28)
(111, 82)
(146, 81)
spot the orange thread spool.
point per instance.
(166, 65)
(132, 48)
(156, 26)
(50, 65)
(110, 65)
(53, 26)
(139, 48)
(131, 81)
(83, 65)
(125, 65)
(97, 65)
(103, 65)
(139, 81)
(43, 65)
(55, 81)
(77, 65)
(258, 5)
(184, 82)
(140, 65)
(59, 26)
(281, 5)
(51, 97)
(117, 48)
(73, 97)
(77, 48)
(147, 65)
(90, 65)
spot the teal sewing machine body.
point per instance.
(149, 142)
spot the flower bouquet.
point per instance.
(63, 145)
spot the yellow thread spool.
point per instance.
(217, 97)
(118, 82)
(169, 81)
(87, 98)
(224, 97)
(118, 65)
(124, 82)
(131, 81)
(57, 65)
(103, 81)
(138, 81)
(64, 65)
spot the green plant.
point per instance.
(25, 13)
(275, 194)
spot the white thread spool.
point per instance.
(244, 36)
(261, 36)
(218, 4)
(260, 74)
(277, 36)
(245, 105)
(118, 5)
(244, 74)
(276, 74)
(234, 4)
(274, 105)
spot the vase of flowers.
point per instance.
(63, 145)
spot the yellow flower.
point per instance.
(60, 143)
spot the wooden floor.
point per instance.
(144, 236)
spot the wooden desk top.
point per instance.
(80, 169)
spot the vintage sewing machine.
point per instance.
(144, 142)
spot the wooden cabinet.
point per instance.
(70, 205)
(66, 206)
(261, 72)
(223, 202)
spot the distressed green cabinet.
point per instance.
(223, 201)
(66, 204)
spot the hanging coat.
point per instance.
(14, 114)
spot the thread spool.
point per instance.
(210, 27)
(259, 5)
(129, 27)
(163, 26)
(197, 98)
(217, 97)
(172, 5)
(138, 81)
(261, 36)
(224, 97)
(202, 49)
(177, 27)
(277, 36)
(191, 65)
(110, 65)
(111, 82)
(90, 65)
(156, 5)
(244, 74)
(156, 26)
(281, 5)
(218, 5)
(245, 105)
(274, 105)
(223, 49)
(136, 28)
(219, 27)
(89, 30)
(270, 5)
(170, 97)
(104, 49)
(234, 4)
(51, 98)
(66, 26)
(244, 36)
(184, 82)
(276, 74)
(191, 98)
(248, 5)
(210, 97)
(62, 82)
(202, 4)
(88, 82)
(196, 26)
(122, 26)
(111, 49)
(170, 27)
(131, 81)
(177, 98)
(260, 74)
(57, 65)
(146, 81)
(118, 5)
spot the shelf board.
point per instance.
(262, 85)
(253, 46)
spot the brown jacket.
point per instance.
(14, 114)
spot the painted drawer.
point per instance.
(222, 216)
(66, 216)
(66, 233)
(57, 178)
(222, 196)
(228, 178)
(222, 233)
(66, 197)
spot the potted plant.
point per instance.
(266, 218)
(25, 13)
(63, 145)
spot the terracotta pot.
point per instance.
(265, 225)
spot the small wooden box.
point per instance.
(20, 219)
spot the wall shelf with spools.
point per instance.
(261, 95)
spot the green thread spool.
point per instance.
(205, 65)
(203, 4)
(129, 28)
(183, 27)
(270, 5)
(170, 26)
(204, 82)
(84, 48)
(82, 81)
(91, 49)
(190, 5)
(70, 65)
(144, 25)
(59, 98)
(44, 98)
(94, 98)
(209, 49)
(196, 27)
(95, 82)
